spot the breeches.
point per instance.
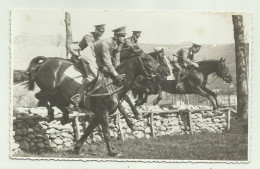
(90, 69)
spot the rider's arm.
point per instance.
(185, 57)
(107, 58)
(86, 40)
(116, 58)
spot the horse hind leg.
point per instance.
(201, 92)
(44, 103)
(159, 98)
(213, 94)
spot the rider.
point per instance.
(87, 39)
(103, 53)
(185, 56)
(131, 43)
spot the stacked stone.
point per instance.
(30, 135)
(33, 134)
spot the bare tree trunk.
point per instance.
(68, 34)
(241, 67)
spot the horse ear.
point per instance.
(224, 59)
(221, 59)
(162, 50)
(154, 49)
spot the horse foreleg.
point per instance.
(202, 92)
(128, 121)
(94, 123)
(104, 118)
(159, 98)
(141, 99)
(133, 108)
(214, 95)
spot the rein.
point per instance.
(92, 92)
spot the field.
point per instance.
(232, 145)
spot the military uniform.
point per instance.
(87, 39)
(103, 53)
(185, 56)
(184, 53)
(131, 43)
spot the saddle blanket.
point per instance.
(74, 74)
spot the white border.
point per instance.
(234, 5)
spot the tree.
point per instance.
(241, 67)
(68, 34)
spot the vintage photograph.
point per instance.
(130, 85)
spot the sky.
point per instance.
(158, 27)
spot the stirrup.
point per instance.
(76, 99)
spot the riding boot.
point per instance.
(178, 79)
(76, 99)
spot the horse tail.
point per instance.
(32, 70)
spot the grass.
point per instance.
(199, 147)
(232, 145)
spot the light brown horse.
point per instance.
(57, 89)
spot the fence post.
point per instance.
(120, 127)
(190, 122)
(228, 119)
(76, 119)
(151, 125)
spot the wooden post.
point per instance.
(241, 67)
(190, 122)
(188, 100)
(76, 119)
(68, 34)
(151, 125)
(228, 119)
(120, 127)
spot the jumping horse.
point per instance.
(57, 89)
(195, 80)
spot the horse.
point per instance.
(57, 89)
(143, 92)
(195, 80)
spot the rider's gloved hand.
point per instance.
(120, 77)
(195, 64)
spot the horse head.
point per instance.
(160, 56)
(223, 71)
(153, 68)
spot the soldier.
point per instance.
(103, 53)
(185, 56)
(86, 40)
(131, 43)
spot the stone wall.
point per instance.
(36, 134)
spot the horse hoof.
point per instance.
(155, 102)
(115, 154)
(49, 119)
(77, 149)
(139, 103)
(134, 128)
(139, 117)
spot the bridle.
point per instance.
(144, 73)
(222, 73)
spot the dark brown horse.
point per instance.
(143, 90)
(195, 80)
(57, 89)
